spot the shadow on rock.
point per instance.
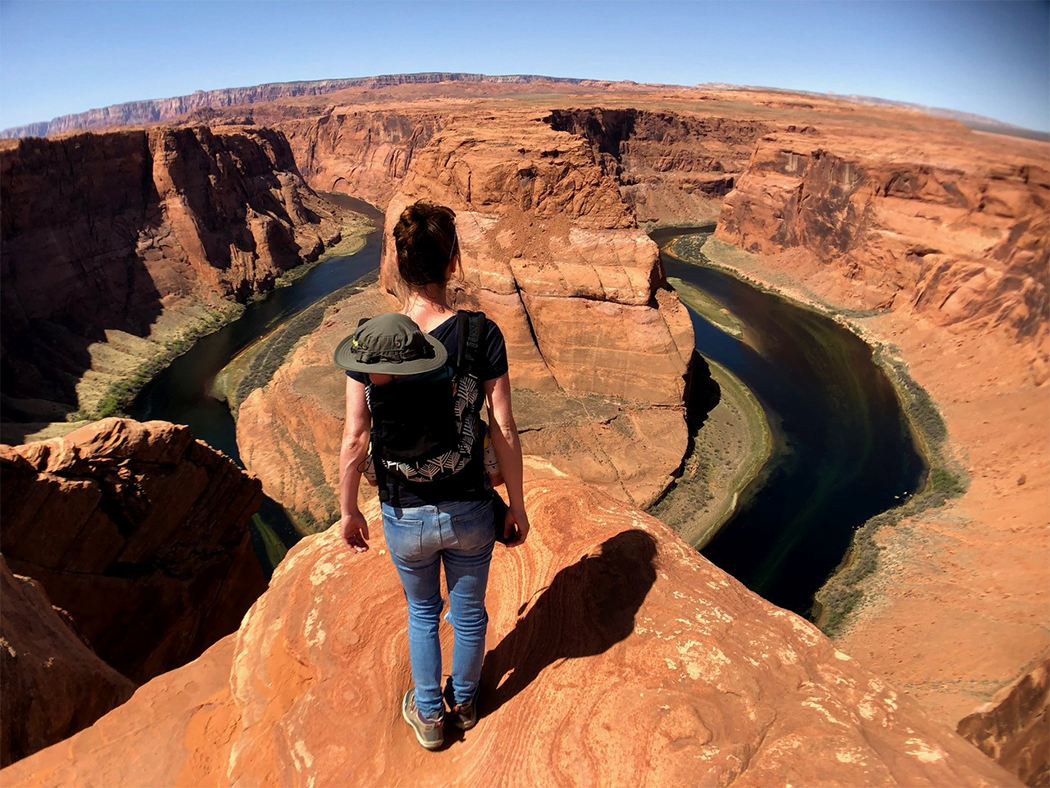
(587, 608)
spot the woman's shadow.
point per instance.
(587, 608)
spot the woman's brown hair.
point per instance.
(425, 240)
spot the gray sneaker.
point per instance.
(464, 715)
(429, 732)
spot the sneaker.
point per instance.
(429, 732)
(464, 715)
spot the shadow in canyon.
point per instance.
(587, 608)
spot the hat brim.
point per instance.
(344, 358)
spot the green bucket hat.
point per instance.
(390, 344)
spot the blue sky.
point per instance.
(991, 58)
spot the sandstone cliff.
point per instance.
(1014, 728)
(116, 232)
(598, 346)
(139, 532)
(909, 227)
(361, 153)
(137, 113)
(52, 684)
(617, 656)
(671, 167)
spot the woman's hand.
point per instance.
(516, 523)
(354, 530)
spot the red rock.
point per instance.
(1014, 727)
(108, 231)
(618, 656)
(52, 684)
(140, 533)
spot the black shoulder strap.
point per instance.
(472, 331)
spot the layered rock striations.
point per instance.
(909, 226)
(597, 343)
(361, 153)
(139, 532)
(106, 233)
(604, 616)
(672, 167)
(137, 113)
(1014, 728)
(52, 684)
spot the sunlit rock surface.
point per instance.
(617, 656)
(140, 533)
(52, 684)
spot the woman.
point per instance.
(455, 530)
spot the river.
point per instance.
(181, 393)
(842, 451)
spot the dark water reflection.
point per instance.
(181, 393)
(842, 451)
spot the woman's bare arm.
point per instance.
(504, 433)
(352, 524)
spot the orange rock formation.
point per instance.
(139, 532)
(51, 683)
(1014, 728)
(551, 252)
(107, 231)
(618, 656)
(857, 207)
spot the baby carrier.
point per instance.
(427, 428)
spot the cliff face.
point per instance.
(553, 254)
(364, 154)
(598, 346)
(137, 113)
(139, 532)
(110, 232)
(960, 239)
(1014, 728)
(52, 684)
(604, 616)
(670, 167)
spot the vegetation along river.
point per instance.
(842, 450)
(182, 393)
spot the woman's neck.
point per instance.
(429, 308)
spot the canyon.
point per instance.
(926, 238)
(137, 534)
(117, 246)
(608, 616)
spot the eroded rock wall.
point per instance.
(604, 616)
(52, 684)
(1014, 728)
(956, 234)
(104, 232)
(361, 153)
(671, 167)
(140, 533)
(551, 252)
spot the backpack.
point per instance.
(428, 429)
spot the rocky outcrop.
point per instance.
(908, 224)
(137, 113)
(1014, 728)
(671, 167)
(52, 684)
(361, 153)
(604, 616)
(139, 532)
(109, 232)
(552, 254)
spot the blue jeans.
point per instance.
(460, 535)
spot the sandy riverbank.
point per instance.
(954, 605)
